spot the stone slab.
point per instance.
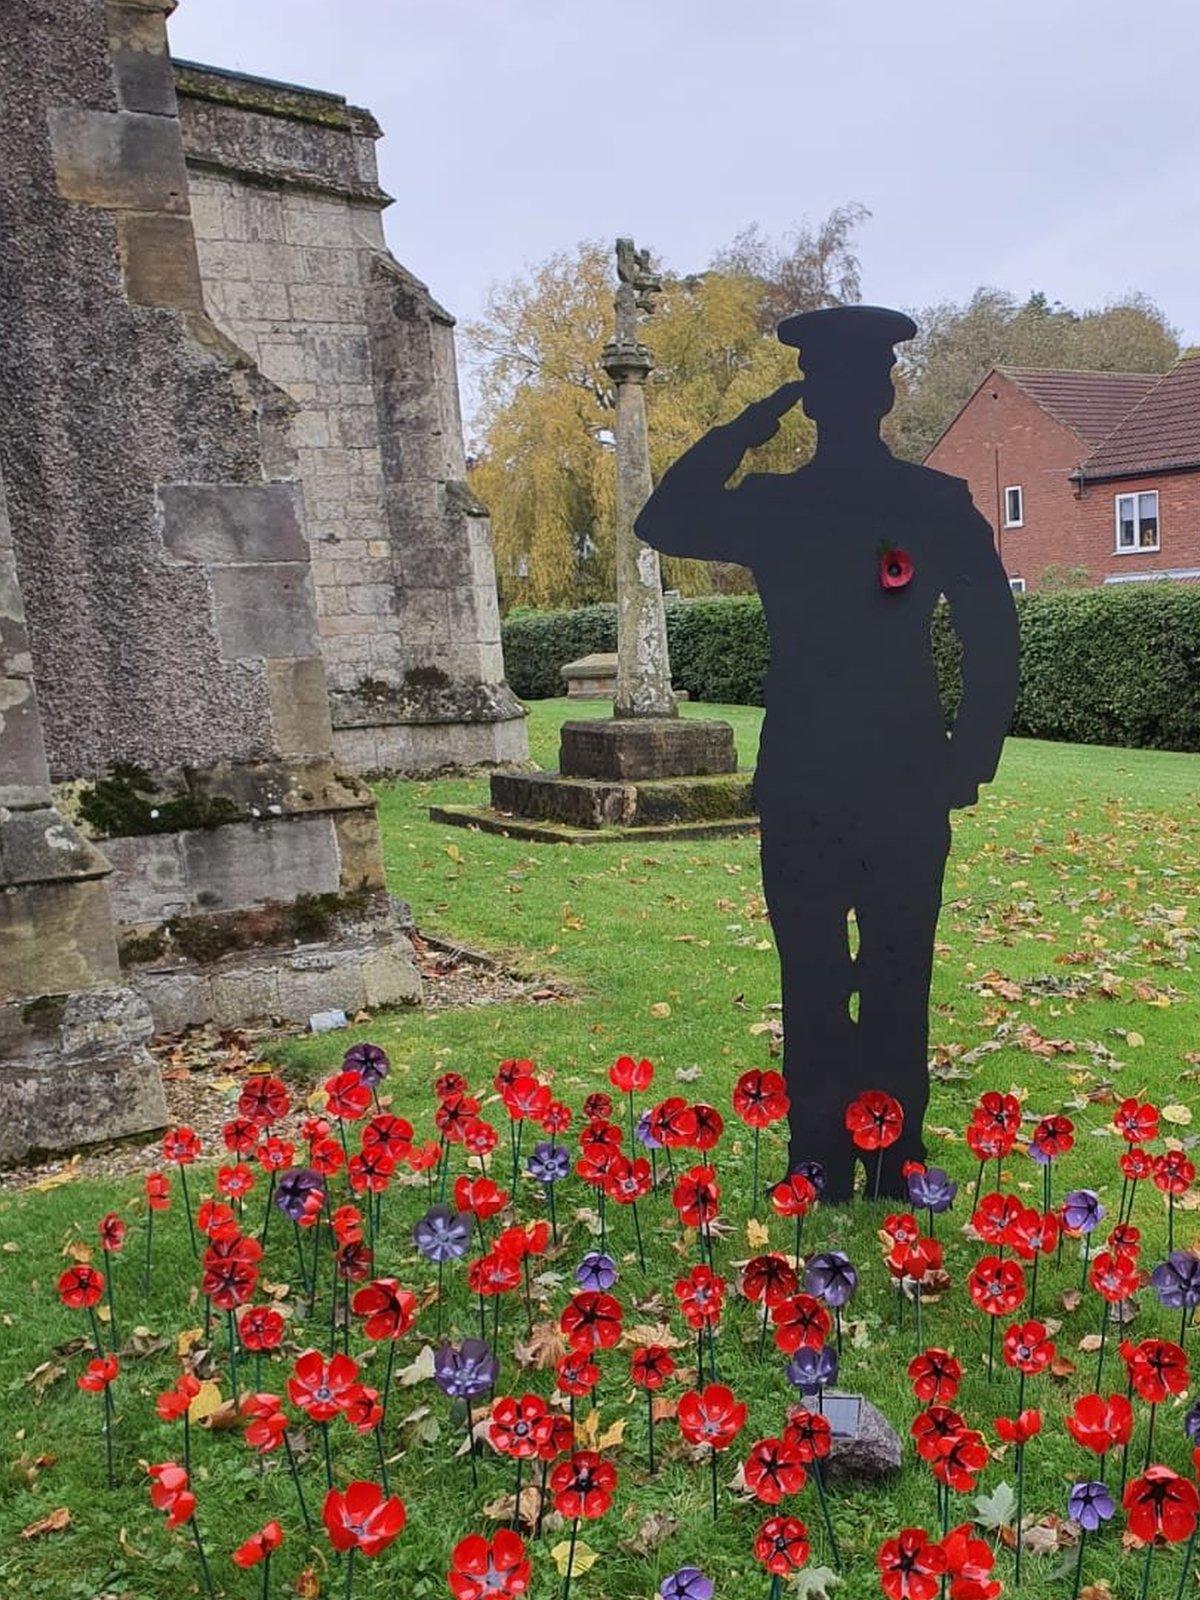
(121, 160)
(257, 863)
(232, 524)
(634, 748)
(486, 820)
(588, 803)
(265, 610)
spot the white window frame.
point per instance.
(1136, 549)
(1019, 521)
(1017, 585)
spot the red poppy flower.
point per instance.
(969, 1561)
(697, 1197)
(320, 1388)
(1157, 1369)
(1028, 1348)
(519, 1242)
(910, 1566)
(760, 1098)
(362, 1408)
(598, 1106)
(935, 1375)
(230, 1276)
(1054, 1136)
(997, 1287)
(794, 1196)
(97, 1375)
(479, 1137)
(1125, 1240)
(808, 1434)
(710, 1125)
(263, 1100)
(1029, 1231)
(773, 1469)
(1114, 1277)
(371, 1171)
(158, 1191)
(960, 1460)
(712, 1415)
(214, 1215)
(895, 568)
(1019, 1430)
(386, 1132)
(582, 1485)
(235, 1182)
(112, 1233)
(525, 1098)
(650, 1365)
(901, 1227)
(172, 1405)
(1136, 1121)
(347, 1224)
(933, 1428)
(326, 1156)
(781, 1545)
(513, 1425)
(276, 1155)
(268, 1422)
(768, 1278)
(261, 1328)
(1001, 1112)
(915, 1261)
(874, 1120)
(258, 1546)
(389, 1309)
(181, 1145)
(630, 1076)
(555, 1436)
(994, 1216)
(577, 1374)
(627, 1181)
(700, 1295)
(801, 1321)
(423, 1156)
(494, 1273)
(241, 1135)
(360, 1518)
(1161, 1505)
(80, 1287)
(987, 1143)
(557, 1118)
(672, 1123)
(1174, 1173)
(482, 1197)
(1137, 1164)
(169, 1492)
(591, 1320)
(448, 1085)
(488, 1569)
(1100, 1424)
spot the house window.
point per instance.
(1017, 585)
(1014, 507)
(1137, 521)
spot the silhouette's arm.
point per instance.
(985, 620)
(691, 513)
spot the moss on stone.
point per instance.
(126, 802)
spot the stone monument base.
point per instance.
(637, 777)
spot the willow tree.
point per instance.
(545, 469)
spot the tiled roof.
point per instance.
(1160, 434)
(1091, 404)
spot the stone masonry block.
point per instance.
(125, 160)
(259, 863)
(232, 524)
(299, 696)
(57, 935)
(149, 881)
(158, 258)
(24, 778)
(143, 70)
(265, 611)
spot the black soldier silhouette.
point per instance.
(857, 771)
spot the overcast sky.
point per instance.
(1028, 144)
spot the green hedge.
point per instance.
(1118, 665)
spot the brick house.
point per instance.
(1089, 473)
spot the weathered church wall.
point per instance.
(294, 266)
(160, 549)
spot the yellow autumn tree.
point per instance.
(545, 469)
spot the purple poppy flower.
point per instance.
(293, 1189)
(1090, 1504)
(810, 1370)
(1177, 1281)
(370, 1061)
(814, 1172)
(931, 1189)
(464, 1372)
(832, 1277)
(1082, 1211)
(596, 1271)
(688, 1583)
(443, 1234)
(549, 1163)
(647, 1140)
(1191, 1422)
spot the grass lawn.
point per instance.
(1064, 968)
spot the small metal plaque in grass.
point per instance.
(842, 1412)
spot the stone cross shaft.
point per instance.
(643, 664)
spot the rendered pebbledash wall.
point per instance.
(294, 266)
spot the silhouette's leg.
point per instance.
(808, 919)
(897, 915)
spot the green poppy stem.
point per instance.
(754, 1183)
(349, 1573)
(383, 1472)
(570, 1560)
(149, 1250)
(712, 1457)
(300, 1257)
(991, 1346)
(650, 1424)
(266, 1222)
(108, 1445)
(187, 1206)
(1170, 1223)
(819, 1479)
(1184, 1319)
(96, 1339)
(266, 1577)
(1103, 1337)
(295, 1471)
(762, 1332)
(1087, 1250)
(516, 1521)
(1187, 1562)
(978, 1186)
(553, 1214)
(233, 1344)
(204, 1572)
(1145, 1590)
(878, 1173)
(1150, 1437)
(387, 1382)
(440, 1266)
(1020, 1504)
(328, 1455)
(917, 1307)
(1079, 1565)
(187, 1442)
(471, 1447)
(637, 1229)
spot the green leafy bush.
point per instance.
(1117, 665)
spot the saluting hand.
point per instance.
(760, 421)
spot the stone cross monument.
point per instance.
(643, 662)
